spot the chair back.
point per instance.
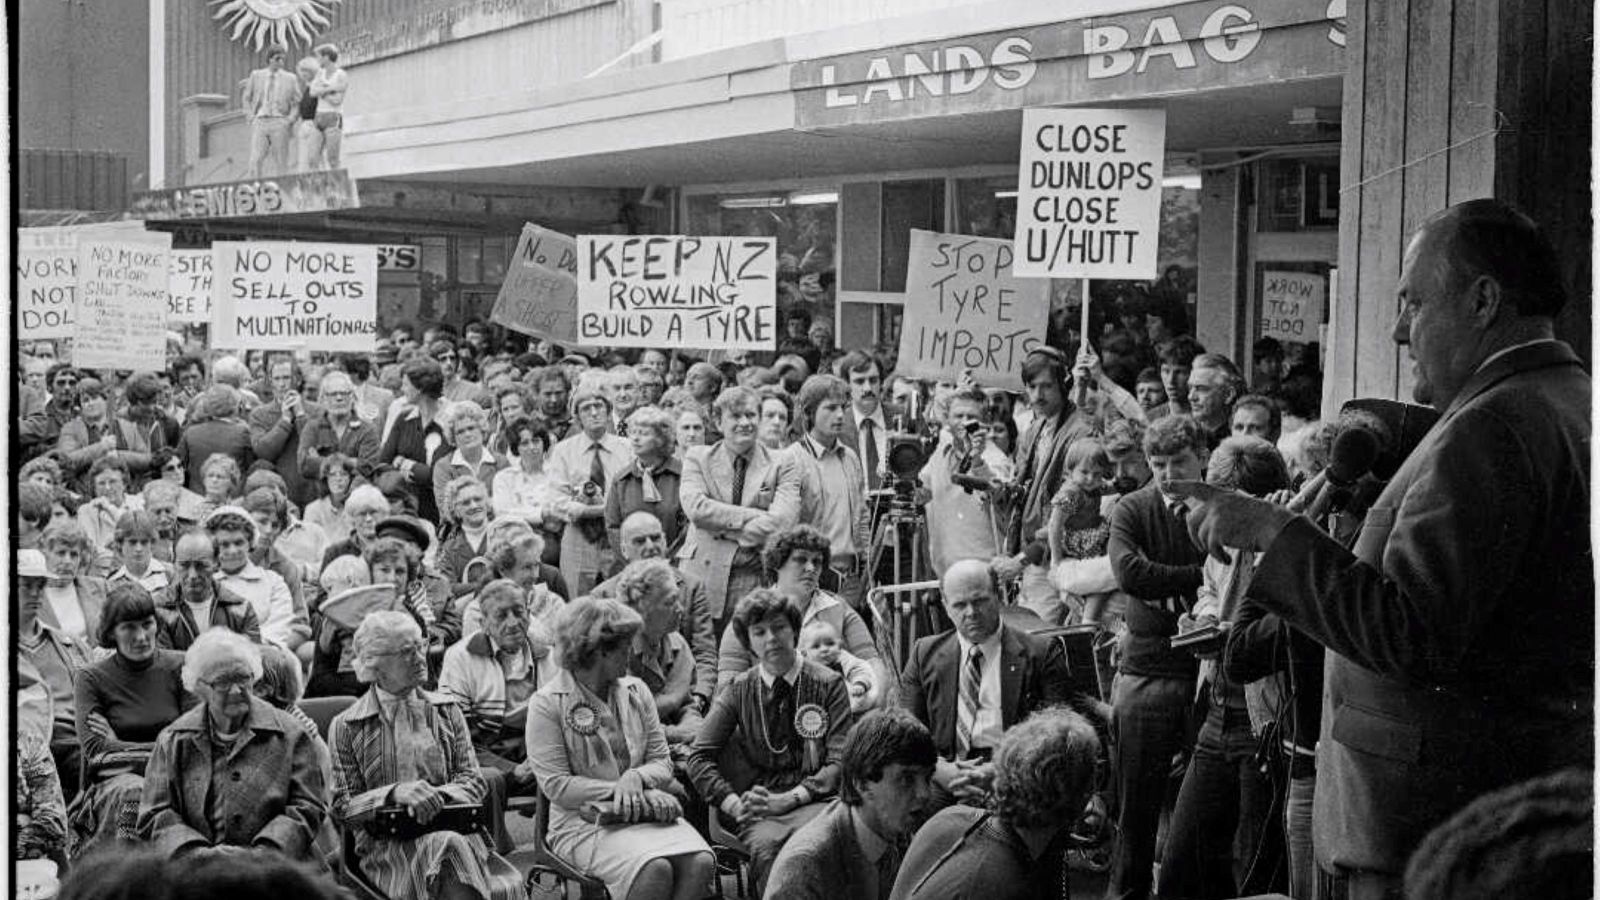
(322, 710)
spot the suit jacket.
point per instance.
(91, 599)
(1033, 675)
(771, 503)
(275, 794)
(1041, 489)
(1461, 630)
(823, 861)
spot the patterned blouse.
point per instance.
(41, 813)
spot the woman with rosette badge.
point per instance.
(598, 751)
(768, 753)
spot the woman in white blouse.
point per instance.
(524, 490)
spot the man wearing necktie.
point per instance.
(866, 430)
(969, 684)
(737, 494)
(852, 851)
(1159, 568)
(582, 466)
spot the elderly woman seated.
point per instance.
(785, 722)
(234, 772)
(597, 747)
(516, 555)
(661, 657)
(233, 534)
(492, 674)
(122, 702)
(387, 561)
(1043, 771)
(796, 559)
(404, 750)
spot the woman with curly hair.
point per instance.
(466, 426)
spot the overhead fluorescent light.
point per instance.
(752, 202)
(1001, 195)
(1187, 182)
(812, 198)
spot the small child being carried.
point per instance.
(1077, 528)
(819, 642)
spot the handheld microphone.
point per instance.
(1355, 451)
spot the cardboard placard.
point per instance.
(698, 293)
(121, 315)
(1292, 305)
(539, 296)
(189, 287)
(47, 276)
(1089, 194)
(966, 309)
(280, 295)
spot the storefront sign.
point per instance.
(121, 319)
(1292, 305)
(280, 295)
(189, 287)
(1089, 198)
(965, 309)
(305, 192)
(399, 257)
(699, 293)
(539, 296)
(1172, 49)
(392, 35)
(47, 276)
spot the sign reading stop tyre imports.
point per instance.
(1089, 193)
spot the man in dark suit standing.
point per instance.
(1159, 568)
(970, 684)
(1460, 630)
(851, 851)
(1042, 450)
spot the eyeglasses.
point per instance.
(413, 648)
(203, 565)
(229, 683)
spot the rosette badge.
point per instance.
(811, 724)
(583, 719)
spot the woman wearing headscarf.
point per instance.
(233, 772)
(598, 750)
(401, 746)
(122, 702)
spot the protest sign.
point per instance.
(47, 276)
(699, 293)
(277, 295)
(189, 287)
(966, 309)
(1089, 193)
(1292, 304)
(121, 316)
(539, 296)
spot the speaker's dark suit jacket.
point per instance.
(1461, 629)
(1033, 674)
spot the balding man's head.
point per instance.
(642, 537)
(971, 599)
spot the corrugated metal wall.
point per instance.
(73, 179)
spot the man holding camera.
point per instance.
(960, 479)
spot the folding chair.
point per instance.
(544, 862)
(731, 854)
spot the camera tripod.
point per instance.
(904, 595)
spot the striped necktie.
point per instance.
(967, 718)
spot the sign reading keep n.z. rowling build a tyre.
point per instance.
(1168, 50)
(280, 195)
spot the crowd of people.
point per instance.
(637, 585)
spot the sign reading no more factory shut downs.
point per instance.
(275, 295)
(122, 302)
(1089, 200)
(966, 310)
(699, 293)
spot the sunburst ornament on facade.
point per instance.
(276, 21)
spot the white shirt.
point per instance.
(987, 729)
(64, 603)
(791, 676)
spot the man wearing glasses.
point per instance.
(195, 602)
(336, 428)
(456, 389)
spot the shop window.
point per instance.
(906, 205)
(1298, 194)
(805, 224)
(436, 256)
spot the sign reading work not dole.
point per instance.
(1089, 193)
(701, 293)
(121, 316)
(1292, 305)
(539, 296)
(279, 295)
(967, 310)
(47, 276)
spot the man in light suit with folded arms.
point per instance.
(1460, 629)
(736, 493)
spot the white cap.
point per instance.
(31, 564)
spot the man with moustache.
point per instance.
(866, 429)
(1460, 627)
(552, 388)
(1042, 449)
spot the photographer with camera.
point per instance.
(965, 478)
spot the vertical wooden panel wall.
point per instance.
(1445, 101)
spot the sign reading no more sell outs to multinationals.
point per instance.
(281, 295)
(1089, 193)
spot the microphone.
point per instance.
(1355, 451)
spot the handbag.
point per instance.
(604, 812)
(394, 822)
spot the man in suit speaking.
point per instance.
(1461, 627)
(970, 684)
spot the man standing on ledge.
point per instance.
(271, 102)
(1461, 628)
